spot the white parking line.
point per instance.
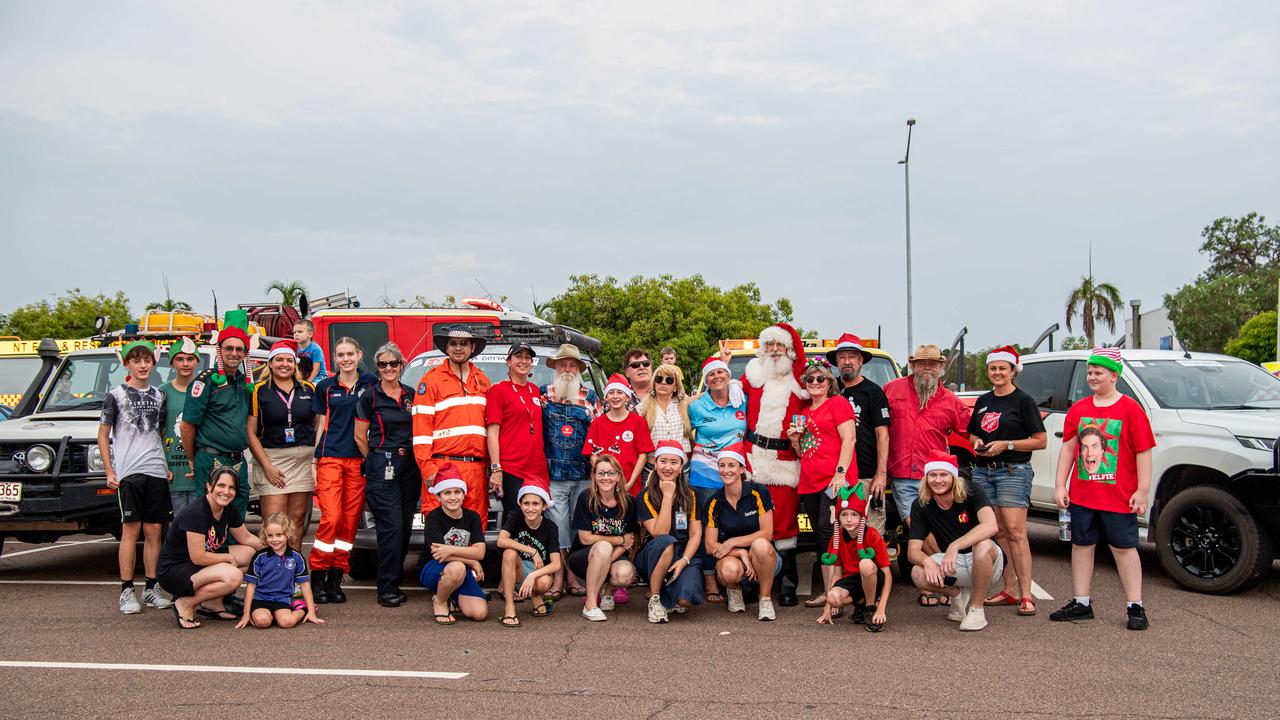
(1039, 592)
(243, 669)
(55, 546)
(117, 582)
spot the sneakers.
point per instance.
(621, 596)
(975, 619)
(152, 597)
(1075, 611)
(594, 614)
(959, 606)
(1137, 618)
(606, 601)
(766, 610)
(129, 602)
(657, 613)
(734, 599)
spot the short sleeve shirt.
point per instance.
(440, 529)
(871, 410)
(848, 550)
(545, 538)
(390, 421)
(607, 521)
(197, 517)
(950, 524)
(314, 352)
(714, 429)
(625, 440)
(820, 444)
(1001, 419)
(137, 419)
(174, 453)
(1105, 474)
(650, 505)
(274, 575)
(219, 411)
(730, 521)
(338, 403)
(517, 411)
(278, 410)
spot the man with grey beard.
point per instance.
(567, 411)
(923, 413)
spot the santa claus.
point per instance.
(774, 395)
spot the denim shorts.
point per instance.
(1005, 485)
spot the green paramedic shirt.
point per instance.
(174, 399)
(219, 412)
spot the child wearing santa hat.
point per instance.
(622, 433)
(453, 548)
(862, 557)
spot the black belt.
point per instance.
(768, 443)
(1005, 465)
(458, 458)
(216, 451)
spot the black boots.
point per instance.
(335, 586)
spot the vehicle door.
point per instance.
(1045, 382)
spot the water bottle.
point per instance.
(1064, 524)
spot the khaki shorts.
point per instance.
(295, 463)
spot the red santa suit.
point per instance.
(771, 401)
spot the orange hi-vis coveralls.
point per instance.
(449, 426)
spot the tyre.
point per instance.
(364, 564)
(1209, 542)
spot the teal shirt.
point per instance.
(174, 453)
(219, 412)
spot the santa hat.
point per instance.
(848, 341)
(1107, 357)
(850, 497)
(183, 344)
(787, 335)
(447, 477)
(711, 364)
(618, 382)
(533, 490)
(284, 347)
(939, 460)
(1007, 354)
(669, 447)
(736, 451)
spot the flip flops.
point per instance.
(223, 615)
(1000, 599)
(1027, 607)
(514, 621)
(445, 619)
(715, 598)
(178, 619)
(542, 610)
(928, 599)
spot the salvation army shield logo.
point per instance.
(740, 415)
(990, 421)
(566, 430)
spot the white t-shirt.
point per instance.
(137, 419)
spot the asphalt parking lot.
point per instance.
(69, 653)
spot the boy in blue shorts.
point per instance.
(452, 549)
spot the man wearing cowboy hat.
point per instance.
(924, 413)
(871, 411)
(567, 411)
(448, 418)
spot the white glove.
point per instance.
(736, 397)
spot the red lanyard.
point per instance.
(527, 411)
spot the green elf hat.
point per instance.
(849, 497)
(182, 345)
(128, 347)
(235, 324)
(1107, 357)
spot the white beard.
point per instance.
(567, 385)
(926, 386)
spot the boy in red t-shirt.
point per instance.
(1106, 450)
(620, 433)
(860, 554)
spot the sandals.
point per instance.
(510, 621)
(542, 610)
(816, 601)
(553, 596)
(1000, 599)
(715, 598)
(445, 619)
(1027, 607)
(928, 599)
(578, 591)
(224, 615)
(191, 623)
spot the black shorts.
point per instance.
(1089, 526)
(852, 584)
(176, 579)
(270, 605)
(144, 498)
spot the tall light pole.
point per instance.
(905, 162)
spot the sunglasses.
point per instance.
(664, 380)
(384, 364)
(639, 364)
(815, 380)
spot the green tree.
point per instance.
(1075, 342)
(1244, 267)
(68, 316)
(1094, 302)
(290, 293)
(168, 305)
(1256, 341)
(685, 313)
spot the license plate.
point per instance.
(10, 492)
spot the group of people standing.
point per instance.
(695, 498)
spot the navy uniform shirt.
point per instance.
(273, 576)
(219, 412)
(274, 415)
(390, 422)
(732, 522)
(338, 402)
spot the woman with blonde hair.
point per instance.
(281, 429)
(666, 409)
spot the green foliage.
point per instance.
(290, 293)
(1244, 267)
(1094, 302)
(69, 316)
(1256, 341)
(168, 305)
(685, 313)
(1075, 342)
(975, 368)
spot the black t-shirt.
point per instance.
(731, 522)
(197, 517)
(1001, 419)
(274, 415)
(390, 422)
(545, 538)
(609, 521)
(438, 527)
(871, 409)
(650, 505)
(948, 525)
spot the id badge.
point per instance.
(288, 435)
(682, 520)
(390, 472)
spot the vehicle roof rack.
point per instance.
(521, 330)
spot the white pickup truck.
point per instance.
(1215, 488)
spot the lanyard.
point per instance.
(288, 402)
(527, 411)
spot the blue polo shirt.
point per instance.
(714, 428)
(732, 522)
(273, 576)
(338, 402)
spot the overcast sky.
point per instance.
(418, 147)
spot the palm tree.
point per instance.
(1093, 301)
(290, 293)
(170, 305)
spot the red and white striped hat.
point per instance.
(713, 363)
(939, 460)
(1107, 357)
(1008, 354)
(669, 447)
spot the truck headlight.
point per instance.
(1257, 443)
(94, 459)
(39, 458)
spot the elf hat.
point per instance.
(284, 347)
(534, 490)
(1107, 357)
(235, 324)
(939, 460)
(712, 364)
(447, 477)
(182, 345)
(850, 497)
(669, 447)
(848, 341)
(851, 500)
(618, 382)
(1007, 354)
(736, 451)
(128, 347)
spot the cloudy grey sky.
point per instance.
(419, 146)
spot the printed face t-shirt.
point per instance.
(1105, 474)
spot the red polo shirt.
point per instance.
(517, 411)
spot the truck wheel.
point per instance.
(364, 564)
(1209, 542)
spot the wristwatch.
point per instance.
(494, 467)
(840, 470)
(1011, 445)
